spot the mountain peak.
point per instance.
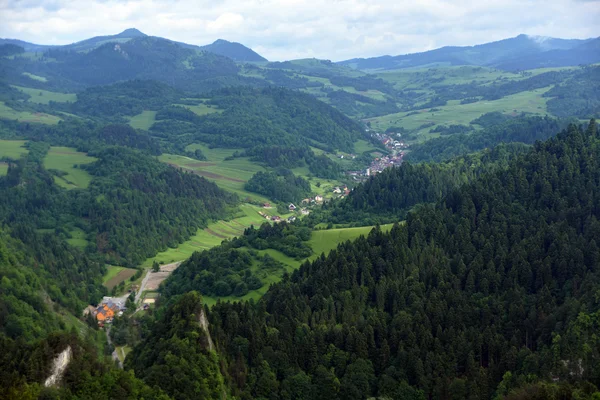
(235, 51)
(131, 32)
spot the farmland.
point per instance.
(116, 275)
(230, 175)
(27, 116)
(211, 236)
(144, 120)
(45, 97)
(201, 109)
(13, 149)
(64, 159)
(456, 113)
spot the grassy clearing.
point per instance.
(211, 236)
(321, 242)
(201, 109)
(362, 146)
(63, 159)
(116, 275)
(144, 120)
(35, 77)
(122, 352)
(3, 168)
(26, 116)
(44, 97)
(12, 149)
(456, 113)
(78, 239)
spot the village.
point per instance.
(395, 147)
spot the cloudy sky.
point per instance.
(288, 29)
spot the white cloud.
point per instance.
(286, 29)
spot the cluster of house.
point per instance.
(106, 311)
(275, 218)
(342, 191)
(392, 144)
(381, 163)
(318, 199)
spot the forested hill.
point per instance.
(388, 196)
(491, 291)
(138, 58)
(260, 117)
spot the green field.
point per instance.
(201, 109)
(116, 275)
(35, 77)
(144, 120)
(78, 239)
(3, 168)
(44, 97)
(63, 159)
(212, 236)
(13, 149)
(421, 78)
(456, 113)
(321, 242)
(230, 175)
(26, 116)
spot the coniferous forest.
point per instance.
(492, 290)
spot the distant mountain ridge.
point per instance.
(233, 50)
(520, 52)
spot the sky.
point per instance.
(290, 29)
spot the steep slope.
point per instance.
(178, 355)
(521, 52)
(141, 57)
(489, 281)
(233, 50)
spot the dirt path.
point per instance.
(115, 356)
(153, 279)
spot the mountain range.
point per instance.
(519, 53)
(235, 51)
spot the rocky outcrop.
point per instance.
(59, 366)
(203, 322)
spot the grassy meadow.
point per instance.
(13, 149)
(212, 235)
(230, 175)
(45, 97)
(27, 116)
(201, 109)
(456, 113)
(143, 120)
(322, 241)
(64, 159)
(78, 239)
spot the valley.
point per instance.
(419, 226)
